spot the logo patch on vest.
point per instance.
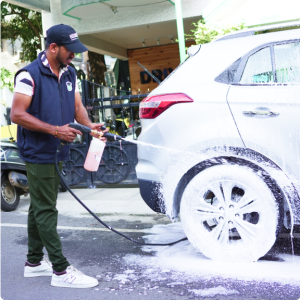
(69, 86)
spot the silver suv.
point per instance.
(220, 142)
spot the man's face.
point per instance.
(64, 56)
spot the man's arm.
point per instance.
(81, 114)
(82, 117)
(19, 116)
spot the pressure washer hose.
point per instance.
(59, 148)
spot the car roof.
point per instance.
(260, 29)
(225, 52)
(214, 58)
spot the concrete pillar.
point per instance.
(180, 30)
(56, 17)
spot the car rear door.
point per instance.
(265, 102)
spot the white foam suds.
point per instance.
(123, 278)
(127, 276)
(186, 264)
(214, 291)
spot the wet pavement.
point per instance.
(128, 271)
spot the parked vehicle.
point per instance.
(14, 181)
(232, 171)
(125, 128)
(13, 176)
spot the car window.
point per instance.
(287, 60)
(258, 68)
(228, 75)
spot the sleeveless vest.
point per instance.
(53, 102)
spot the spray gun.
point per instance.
(85, 129)
(97, 146)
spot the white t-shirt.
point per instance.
(25, 84)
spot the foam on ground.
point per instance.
(186, 264)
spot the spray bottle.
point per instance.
(94, 155)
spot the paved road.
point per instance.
(104, 255)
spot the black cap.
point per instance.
(65, 35)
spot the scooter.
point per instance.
(131, 129)
(14, 181)
(13, 175)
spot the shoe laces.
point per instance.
(45, 259)
(74, 271)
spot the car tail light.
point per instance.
(153, 106)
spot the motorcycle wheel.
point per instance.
(62, 187)
(10, 197)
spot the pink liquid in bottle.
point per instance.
(94, 155)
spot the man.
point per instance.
(46, 100)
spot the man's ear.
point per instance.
(53, 48)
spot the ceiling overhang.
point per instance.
(81, 9)
(98, 45)
(36, 5)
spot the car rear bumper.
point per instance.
(150, 192)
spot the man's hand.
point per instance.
(66, 133)
(97, 126)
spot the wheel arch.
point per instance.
(245, 157)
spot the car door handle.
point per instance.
(260, 113)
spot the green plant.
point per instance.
(206, 33)
(24, 24)
(7, 79)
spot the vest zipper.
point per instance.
(61, 104)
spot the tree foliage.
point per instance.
(7, 79)
(24, 24)
(206, 33)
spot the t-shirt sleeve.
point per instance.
(24, 84)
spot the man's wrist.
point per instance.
(88, 124)
(53, 130)
(56, 131)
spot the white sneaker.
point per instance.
(43, 268)
(73, 278)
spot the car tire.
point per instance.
(10, 196)
(229, 213)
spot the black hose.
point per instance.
(59, 148)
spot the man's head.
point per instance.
(62, 42)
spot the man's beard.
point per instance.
(62, 65)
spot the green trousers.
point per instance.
(43, 182)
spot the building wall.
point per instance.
(9, 58)
(251, 12)
(97, 21)
(89, 24)
(6, 101)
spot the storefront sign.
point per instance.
(159, 74)
(159, 60)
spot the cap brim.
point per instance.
(77, 47)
